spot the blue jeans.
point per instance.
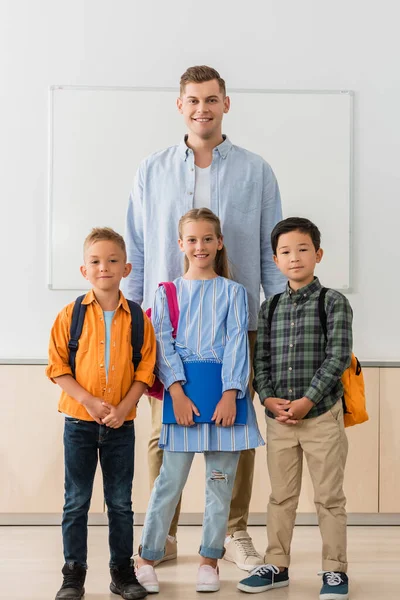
(84, 443)
(220, 477)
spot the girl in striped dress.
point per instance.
(213, 324)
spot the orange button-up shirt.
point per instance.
(90, 370)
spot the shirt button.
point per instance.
(290, 391)
(290, 369)
(190, 193)
(192, 169)
(291, 345)
(294, 303)
(101, 365)
(101, 342)
(292, 324)
(104, 389)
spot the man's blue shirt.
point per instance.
(245, 196)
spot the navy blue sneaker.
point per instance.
(264, 578)
(335, 586)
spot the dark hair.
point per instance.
(295, 224)
(205, 214)
(201, 74)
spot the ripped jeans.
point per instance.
(220, 477)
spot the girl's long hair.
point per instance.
(221, 266)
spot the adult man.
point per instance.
(205, 169)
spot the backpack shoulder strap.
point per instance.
(75, 331)
(272, 308)
(322, 311)
(172, 299)
(137, 336)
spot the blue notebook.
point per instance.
(204, 388)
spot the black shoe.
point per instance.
(73, 582)
(124, 583)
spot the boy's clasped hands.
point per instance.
(104, 413)
(288, 412)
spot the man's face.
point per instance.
(203, 106)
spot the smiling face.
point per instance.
(200, 244)
(105, 266)
(203, 106)
(296, 258)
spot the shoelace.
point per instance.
(246, 546)
(264, 570)
(70, 580)
(331, 577)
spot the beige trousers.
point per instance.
(241, 495)
(324, 443)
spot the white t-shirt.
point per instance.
(202, 188)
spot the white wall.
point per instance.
(311, 44)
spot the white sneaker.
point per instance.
(171, 550)
(147, 577)
(239, 549)
(207, 579)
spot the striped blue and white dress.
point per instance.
(213, 324)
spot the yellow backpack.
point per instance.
(354, 404)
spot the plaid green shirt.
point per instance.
(293, 359)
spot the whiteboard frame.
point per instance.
(54, 88)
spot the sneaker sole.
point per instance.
(242, 566)
(203, 587)
(137, 595)
(262, 588)
(152, 589)
(81, 596)
(334, 596)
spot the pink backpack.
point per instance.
(157, 389)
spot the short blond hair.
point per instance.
(201, 74)
(100, 234)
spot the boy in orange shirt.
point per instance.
(99, 399)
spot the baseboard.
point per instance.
(196, 519)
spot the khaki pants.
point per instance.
(324, 443)
(241, 495)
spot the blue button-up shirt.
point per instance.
(245, 196)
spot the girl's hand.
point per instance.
(184, 409)
(115, 417)
(225, 411)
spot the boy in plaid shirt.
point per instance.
(298, 379)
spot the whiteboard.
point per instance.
(98, 136)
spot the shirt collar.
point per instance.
(223, 148)
(90, 298)
(305, 292)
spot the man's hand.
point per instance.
(299, 408)
(96, 408)
(225, 411)
(116, 416)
